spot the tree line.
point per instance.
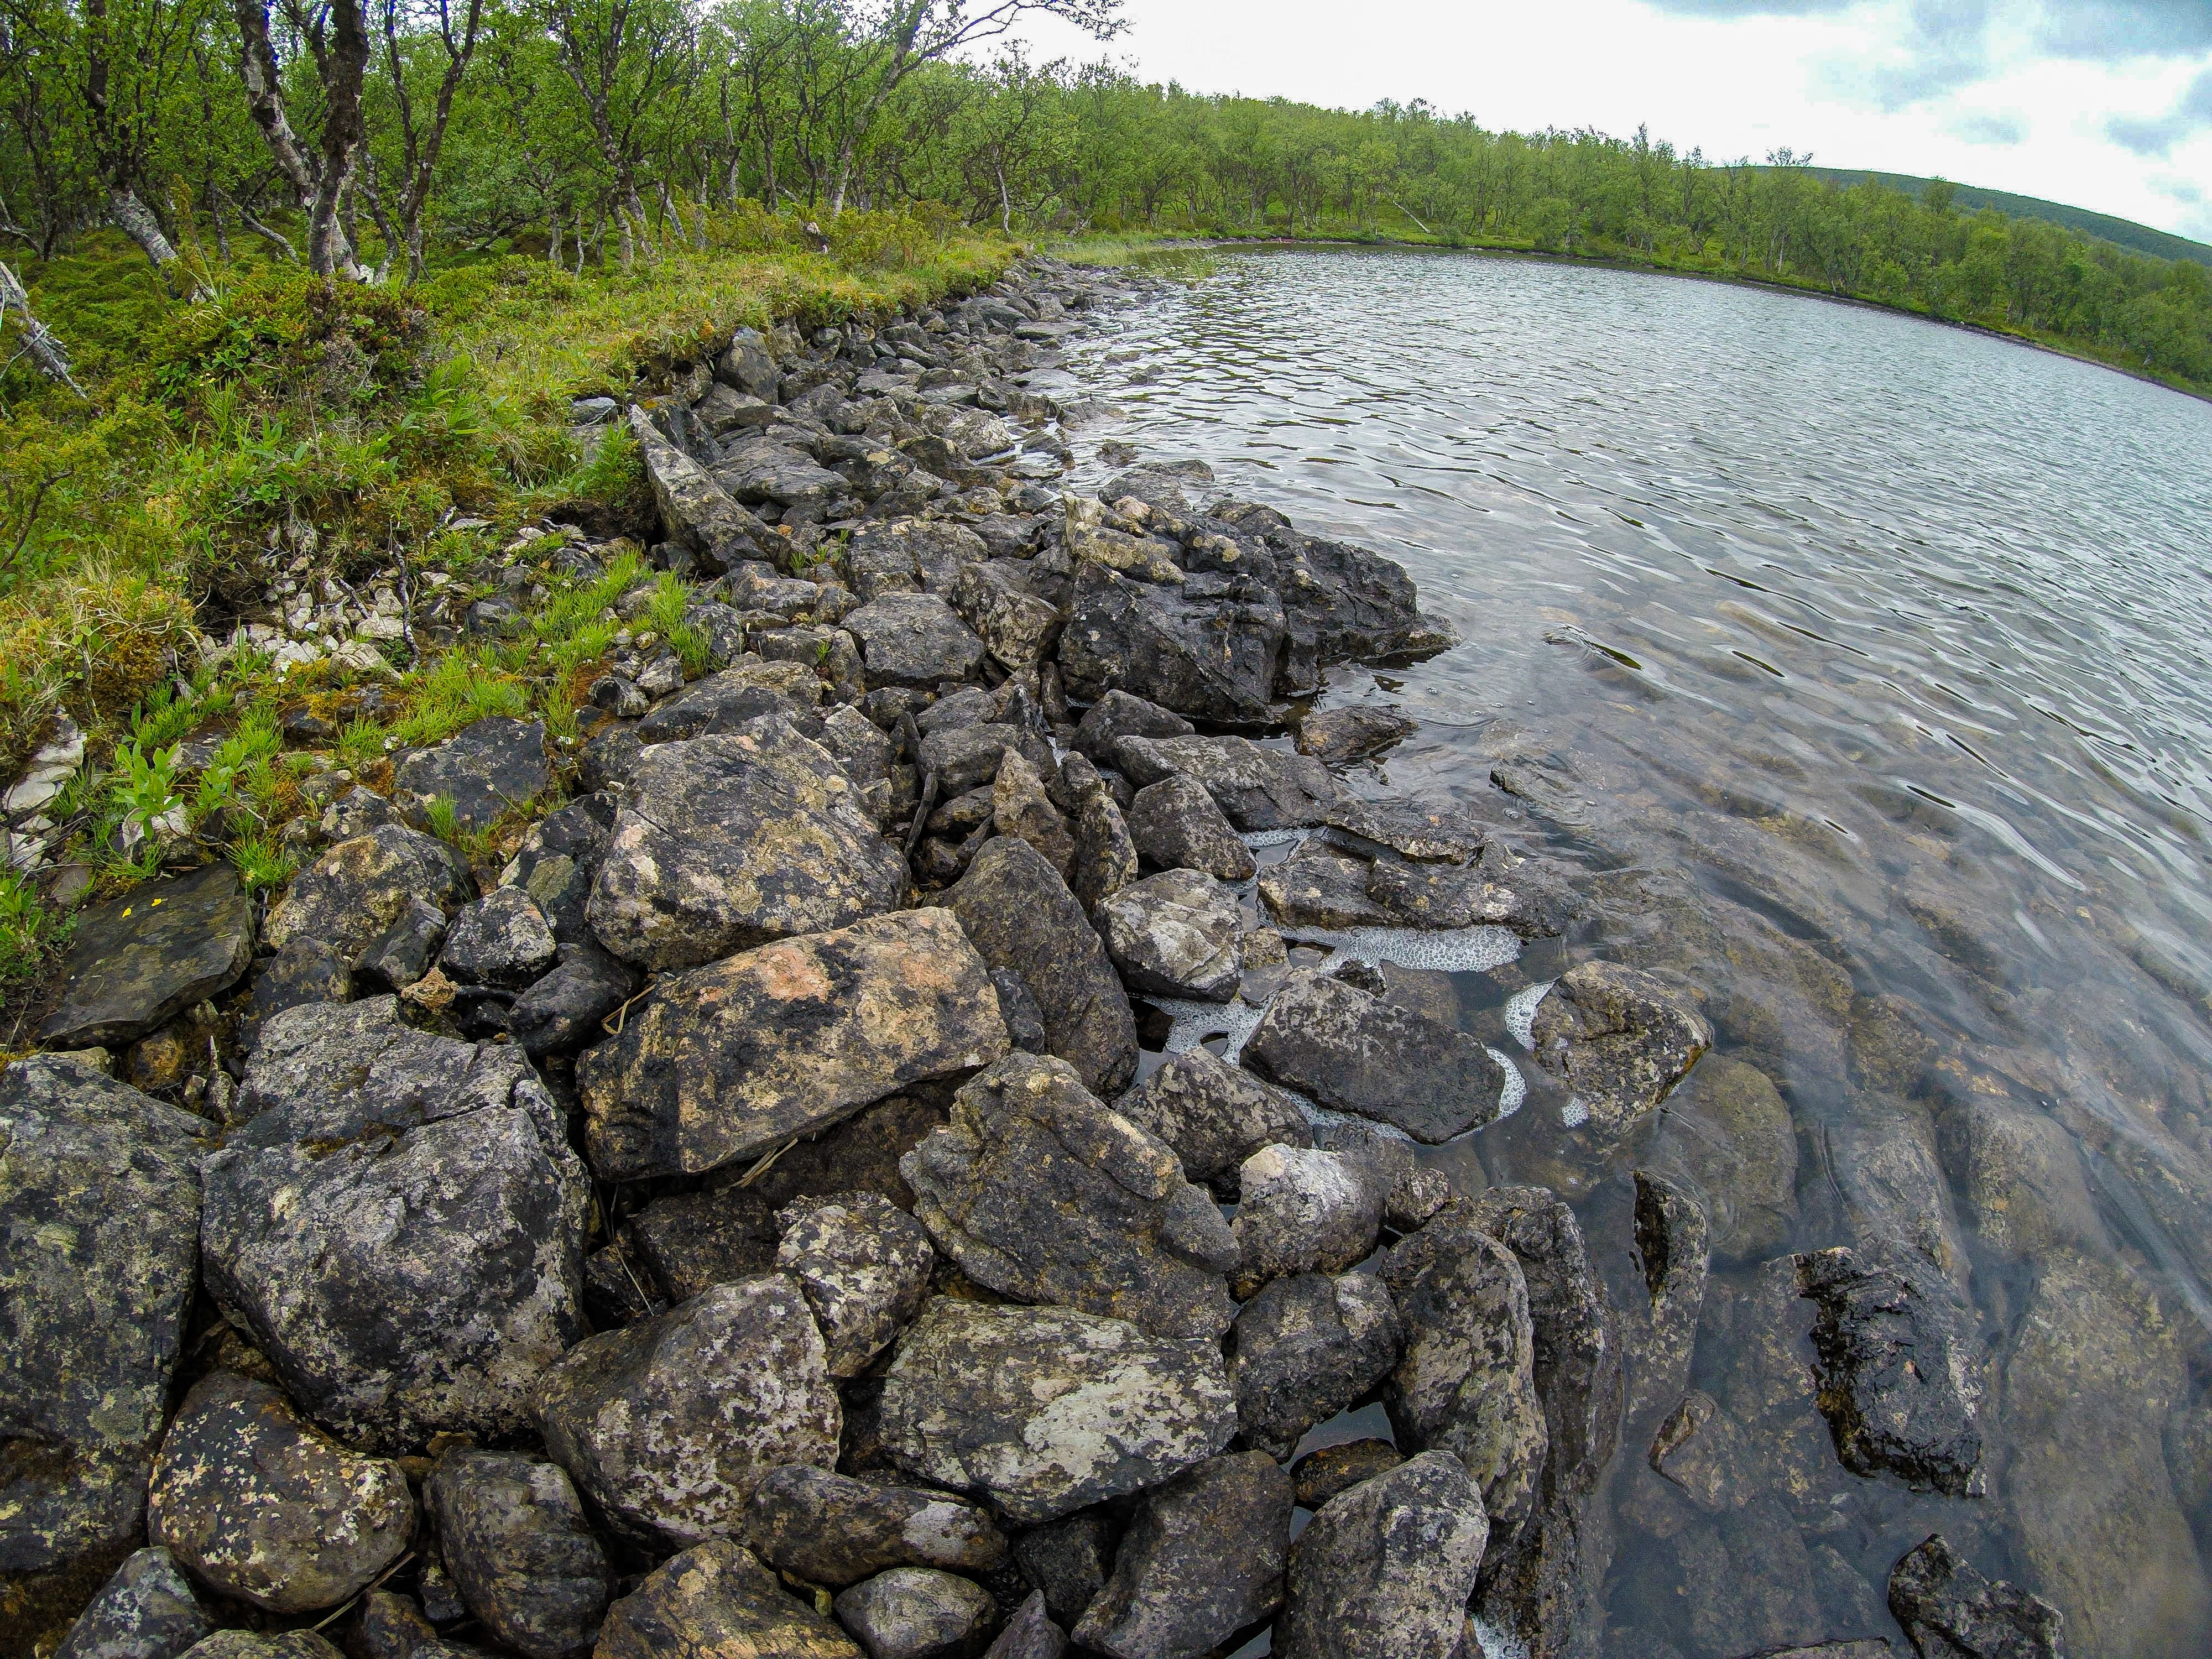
(368, 138)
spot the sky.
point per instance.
(2103, 104)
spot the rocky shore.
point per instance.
(906, 1134)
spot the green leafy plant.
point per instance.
(144, 783)
(24, 925)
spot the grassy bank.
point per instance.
(287, 431)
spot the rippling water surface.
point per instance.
(1859, 667)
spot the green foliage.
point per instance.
(261, 863)
(144, 784)
(283, 338)
(442, 817)
(26, 927)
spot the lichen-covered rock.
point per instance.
(1121, 713)
(865, 1264)
(668, 1425)
(722, 843)
(501, 940)
(1018, 628)
(918, 1613)
(1620, 1039)
(1029, 1634)
(487, 770)
(399, 1225)
(1949, 1611)
(831, 1529)
(1070, 1559)
(1043, 1194)
(99, 1202)
(1213, 1115)
(694, 510)
(349, 896)
(1207, 650)
(1256, 788)
(1306, 1348)
(1175, 934)
(1384, 1570)
(733, 1060)
(729, 702)
(276, 1645)
(1105, 858)
(1303, 1210)
(137, 962)
(148, 1610)
(1353, 1052)
(562, 1012)
(715, 1600)
(1321, 885)
(912, 555)
(914, 639)
(1328, 1470)
(1203, 1559)
(1176, 824)
(518, 1548)
(1046, 1410)
(261, 1506)
(1021, 916)
(557, 861)
(1021, 808)
(404, 953)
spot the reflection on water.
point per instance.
(1859, 666)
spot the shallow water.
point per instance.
(1858, 666)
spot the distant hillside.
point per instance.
(2125, 232)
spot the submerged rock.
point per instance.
(1306, 1348)
(1048, 1410)
(1620, 1039)
(1949, 1611)
(1384, 1571)
(713, 1600)
(520, 1551)
(137, 962)
(830, 1530)
(1341, 737)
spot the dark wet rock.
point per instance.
(1498, 892)
(1949, 1611)
(864, 1266)
(520, 1550)
(721, 704)
(1466, 1383)
(1020, 808)
(1029, 1634)
(1730, 1136)
(668, 1425)
(399, 1225)
(1385, 1569)
(349, 896)
(1323, 1472)
(1659, 1329)
(1620, 1039)
(914, 639)
(1209, 655)
(501, 940)
(148, 1610)
(1413, 1193)
(715, 1600)
(1303, 1210)
(1356, 1053)
(961, 757)
(1177, 825)
(488, 769)
(723, 843)
(99, 1186)
(732, 1060)
(694, 510)
(1257, 787)
(260, 1505)
(1021, 916)
(2021, 1173)
(1203, 1559)
(304, 970)
(1213, 1115)
(1883, 1163)
(1024, 1019)
(607, 761)
(137, 962)
(830, 1530)
(564, 1011)
(1017, 628)
(1120, 713)
(1042, 1193)
(1104, 860)
(1321, 886)
(683, 1245)
(1897, 1368)
(1175, 934)
(918, 1613)
(912, 555)
(1869, 1647)
(1048, 1410)
(405, 951)
(1425, 831)
(1070, 1559)
(1306, 1348)
(391, 1626)
(1341, 737)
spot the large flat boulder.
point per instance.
(1209, 653)
(914, 639)
(137, 962)
(486, 770)
(911, 556)
(1213, 1115)
(732, 1060)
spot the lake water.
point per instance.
(1858, 667)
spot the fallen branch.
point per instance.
(39, 341)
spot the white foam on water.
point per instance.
(1521, 1013)
(1575, 1112)
(1446, 951)
(1320, 1116)
(1195, 1021)
(1257, 838)
(1514, 1089)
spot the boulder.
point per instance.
(1118, 715)
(98, 1256)
(1175, 934)
(1207, 651)
(1384, 1571)
(1342, 603)
(963, 756)
(1353, 1052)
(261, 1506)
(1048, 1410)
(667, 1426)
(1321, 886)
(349, 896)
(356, 813)
(1203, 1559)
(723, 843)
(1343, 736)
(1328, 1470)
(864, 1266)
(1620, 1039)
(733, 1060)
(1177, 825)
(759, 470)
(1949, 1611)
(714, 1599)
(1500, 891)
(1042, 1193)
(1021, 916)
(1307, 1346)
(489, 769)
(406, 952)
(1020, 808)
(399, 1225)
(914, 639)
(730, 702)
(694, 510)
(1730, 1136)
(1104, 860)
(564, 1011)
(1256, 787)
(282, 1644)
(918, 1613)
(148, 1610)
(912, 555)
(1303, 1210)
(517, 1544)
(1214, 1116)
(1413, 1192)
(501, 940)
(830, 1530)
(1029, 1634)
(137, 962)
(304, 970)
(1661, 1308)
(1017, 628)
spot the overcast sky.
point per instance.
(2105, 104)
